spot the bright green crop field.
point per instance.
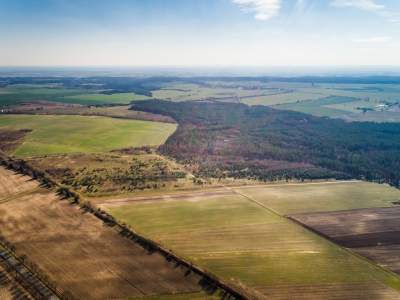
(75, 134)
(256, 249)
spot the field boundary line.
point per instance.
(209, 281)
(255, 201)
(325, 237)
(23, 273)
(348, 250)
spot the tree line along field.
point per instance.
(71, 134)
(10, 288)
(78, 252)
(240, 237)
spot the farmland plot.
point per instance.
(83, 134)
(373, 233)
(322, 196)
(254, 248)
(78, 252)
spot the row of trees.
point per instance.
(209, 281)
(29, 275)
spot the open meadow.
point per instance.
(244, 241)
(71, 134)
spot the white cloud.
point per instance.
(370, 5)
(373, 40)
(263, 9)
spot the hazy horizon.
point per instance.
(188, 71)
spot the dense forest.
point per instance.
(236, 140)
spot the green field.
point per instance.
(251, 246)
(189, 92)
(282, 98)
(119, 98)
(73, 134)
(317, 197)
(25, 93)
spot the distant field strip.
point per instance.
(72, 134)
(22, 93)
(239, 240)
(79, 253)
(119, 98)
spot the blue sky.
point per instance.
(199, 32)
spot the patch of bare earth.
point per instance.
(373, 232)
(11, 139)
(78, 252)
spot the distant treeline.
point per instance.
(227, 139)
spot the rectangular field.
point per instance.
(248, 244)
(78, 252)
(77, 134)
(373, 233)
(322, 196)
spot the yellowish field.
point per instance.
(315, 197)
(243, 241)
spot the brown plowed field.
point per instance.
(12, 184)
(373, 232)
(77, 251)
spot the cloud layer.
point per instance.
(263, 9)
(369, 5)
(373, 40)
